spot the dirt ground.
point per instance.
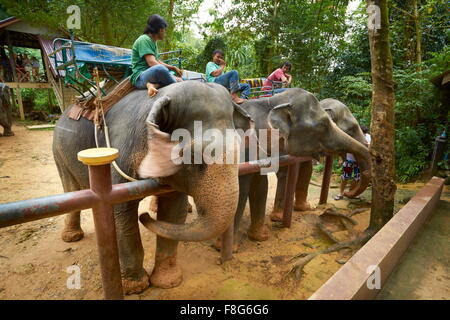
(34, 259)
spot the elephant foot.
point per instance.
(72, 235)
(276, 215)
(131, 286)
(7, 134)
(236, 243)
(258, 233)
(302, 206)
(167, 274)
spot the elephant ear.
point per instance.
(280, 118)
(331, 113)
(158, 162)
(241, 118)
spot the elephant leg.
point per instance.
(258, 230)
(244, 187)
(277, 212)
(172, 208)
(72, 228)
(131, 253)
(7, 132)
(301, 191)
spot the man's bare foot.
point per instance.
(151, 89)
(238, 100)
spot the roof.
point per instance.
(6, 22)
(442, 80)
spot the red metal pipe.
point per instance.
(291, 183)
(105, 231)
(226, 250)
(326, 179)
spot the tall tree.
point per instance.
(382, 124)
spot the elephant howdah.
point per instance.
(140, 127)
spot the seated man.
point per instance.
(350, 170)
(148, 71)
(230, 80)
(279, 75)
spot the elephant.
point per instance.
(5, 111)
(344, 119)
(140, 128)
(305, 130)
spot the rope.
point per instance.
(99, 106)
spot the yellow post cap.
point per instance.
(98, 156)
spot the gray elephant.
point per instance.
(306, 130)
(5, 110)
(344, 119)
(140, 128)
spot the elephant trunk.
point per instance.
(339, 141)
(216, 196)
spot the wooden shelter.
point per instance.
(17, 33)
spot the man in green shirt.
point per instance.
(230, 80)
(148, 71)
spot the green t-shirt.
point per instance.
(210, 67)
(142, 46)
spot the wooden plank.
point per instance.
(384, 250)
(28, 85)
(19, 99)
(13, 66)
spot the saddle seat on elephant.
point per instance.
(89, 107)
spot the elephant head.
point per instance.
(308, 130)
(344, 119)
(214, 186)
(5, 110)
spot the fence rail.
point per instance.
(102, 195)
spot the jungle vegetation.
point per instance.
(326, 42)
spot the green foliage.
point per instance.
(206, 55)
(410, 153)
(318, 168)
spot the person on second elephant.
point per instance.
(279, 75)
(230, 80)
(148, 71)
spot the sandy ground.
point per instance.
(34, 260)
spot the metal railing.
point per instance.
(102, 195)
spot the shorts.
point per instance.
(350, 170)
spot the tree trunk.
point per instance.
(106, 26)
(382, 125)
(273, 37)
(418, 33)
(168, 41)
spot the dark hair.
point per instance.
(288, 64)
(155, 23)
(364, 129)
(217, 51)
